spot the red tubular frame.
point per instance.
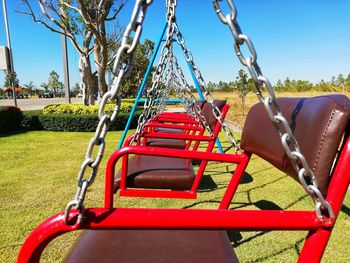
(198, 138)
(129, 218)
(240, 159)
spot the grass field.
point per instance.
(235, 113)
(38, 177)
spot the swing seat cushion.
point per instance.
(152, 246)
(318, 124)
(169, 130)
(155, 172)
(166, 143)
(207, 111)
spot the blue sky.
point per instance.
(297, 39)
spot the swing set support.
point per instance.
(143, 84)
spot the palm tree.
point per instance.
(29, 87)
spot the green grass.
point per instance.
(38, 177)
(235, 112)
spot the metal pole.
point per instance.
(65, 69)
(143, 84)
(12, 68)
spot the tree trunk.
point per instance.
(243, 104)
(101, 57)
(86, 80)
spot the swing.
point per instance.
(148, 172)
(310, 141)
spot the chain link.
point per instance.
(121, 68)
(209, 98)
(166, 54)
(289, 142)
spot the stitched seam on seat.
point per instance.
(322, 139)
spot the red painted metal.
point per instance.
(222, 218)
(176, 136)
(174, 126)
(234, 182)
(138, 218)
(157, 193)
(154, 151)
(316, 241)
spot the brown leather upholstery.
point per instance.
(207, 112)
(318, 124)
(166, 143)
(169, 130)
(200, 103)
(152, 246)
(158, 173)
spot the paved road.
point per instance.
(36, 104)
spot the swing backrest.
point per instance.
(207, 111)
(319, 125)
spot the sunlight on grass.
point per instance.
(38, 177)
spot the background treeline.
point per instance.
(338, 83)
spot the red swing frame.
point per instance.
(240, 160)
(108, 217)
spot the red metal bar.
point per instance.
(157, 193)
(177, 120)
(316, 241)
(210, 147)
(174, 126)
(154, 151)
(129, 218)
(176, 136)
(234, 182)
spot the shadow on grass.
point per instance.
(11, 133)
(345, 210)
(207, 184)
(235, 236)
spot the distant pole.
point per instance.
(65, 68)
(12, 67)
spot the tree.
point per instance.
(84, 23)
(29, 87)
(11, 80)
(45, 86)
(76, 89)
(243, 87)
(54, 83)
(279, 86)
(140, 62)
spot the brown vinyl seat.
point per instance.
(152, 246)
(181, 144)
(318, 124)
(167, 143)
(167, 173)
(158, 173)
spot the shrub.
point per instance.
(72, 122)
(31, 120)
(10, 118)
(84, 110)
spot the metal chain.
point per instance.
(165, 54)
(217, 113)
(195, 107)
(289, 142)
(125, 52)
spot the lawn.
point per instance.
(38, 177)
(235, 103)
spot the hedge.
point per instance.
(85, 110)
(72, 122)
(10, 118)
